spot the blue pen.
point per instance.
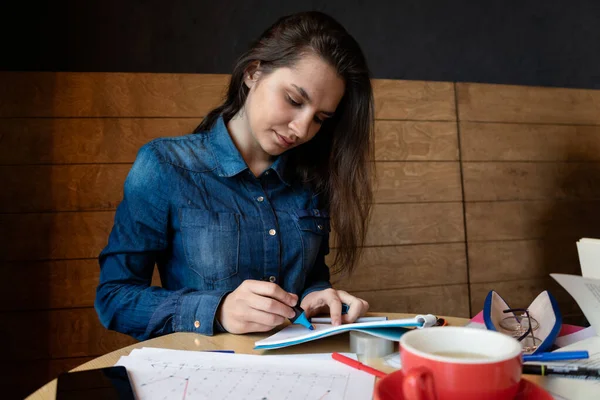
(300, 318)
(557, 356)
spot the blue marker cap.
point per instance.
(300, 318)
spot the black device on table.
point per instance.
(103, 383)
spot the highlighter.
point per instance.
(300, 318)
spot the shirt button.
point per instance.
(260, 198)
(272, 279)
(197, 324)
(320, 227)
(266, 172)
(272, 232)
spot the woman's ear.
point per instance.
(252, 74)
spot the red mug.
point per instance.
(451, 363)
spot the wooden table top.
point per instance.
(243, 344)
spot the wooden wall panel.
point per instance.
(56, 284)
(415, 141)
(74, 332)
(62, 187)
(514, 220)
(540, 105)
(528, 142)
(60, 94)
(440, 300)
(415, 223)
(414, 100)
(83, 140)
(529, 159)
(521, 259)
(400, 182)
(51, 236)
(491, 181)
(87, 94)
(395, 267)
(117, 140)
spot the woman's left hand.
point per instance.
(331, 300)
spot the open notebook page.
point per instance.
(195, 375)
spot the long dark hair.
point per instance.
(337, 162)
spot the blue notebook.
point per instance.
(391, 330)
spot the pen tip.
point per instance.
(312, 328)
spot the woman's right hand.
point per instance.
(256, 306)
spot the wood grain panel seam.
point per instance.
(409, 287)
(526, 123)
(54, 260)
(462, 192)
(89, 210)
(488, 161)
(44, 310)
(527, 239)
(408, 244)
(541, 200)
(511, 280)
(65, 164)
(515, 280)
(102, 117)
(60, 212)
(419, 202)
(414, 120)
(201, 117)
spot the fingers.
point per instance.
(271, 290)
(270, 306)
(316, 302)
(256, 306)
(357, 307)
(335, 306)
(264, 318)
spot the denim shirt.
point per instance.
(192, 206)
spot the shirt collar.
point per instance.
(229, 158)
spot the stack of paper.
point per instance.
(178, 374)
(585, 290)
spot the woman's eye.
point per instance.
(318, 120)
(293, 102)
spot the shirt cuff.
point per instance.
(315, 287)
(197, 311)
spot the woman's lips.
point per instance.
(284, 141)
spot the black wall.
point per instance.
(548, 43)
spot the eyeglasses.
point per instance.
(521, 326)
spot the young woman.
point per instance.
(237, 215)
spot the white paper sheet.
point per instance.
(575, 337)
(571, 388)
(589, 257)
(586, 293)
(163, 373)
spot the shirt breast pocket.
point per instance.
(314, 226)
(211, 243)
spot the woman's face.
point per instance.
(286, 107)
